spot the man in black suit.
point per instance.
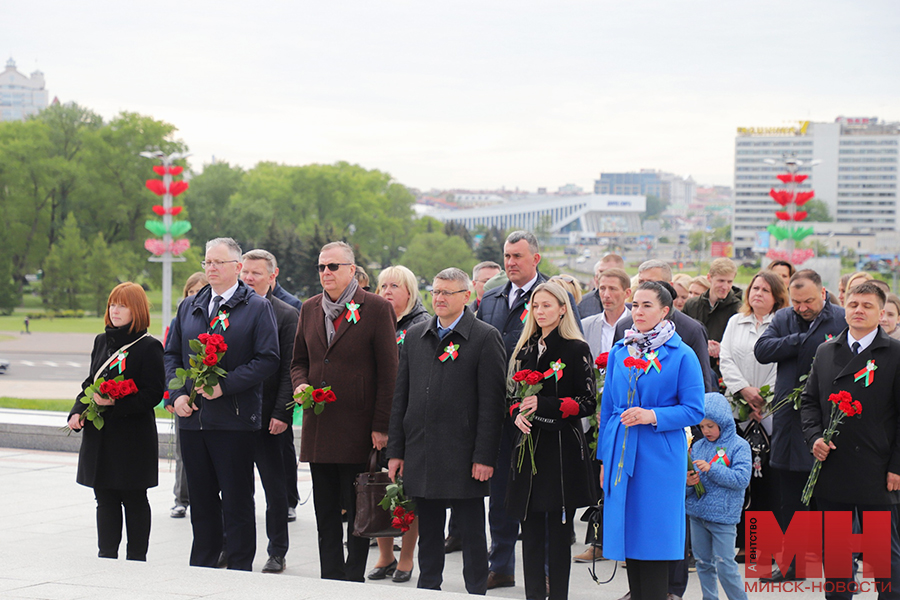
(861, 470)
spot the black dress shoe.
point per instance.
(452, 544)
(382, 572)
(223, 560)
(275, 564)
(401, 576)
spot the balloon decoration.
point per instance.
(790, 199)
(167, 229)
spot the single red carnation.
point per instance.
(845, 395)
(210, 360)
(834, 398)
(330, 397)
(521, 375)
(534, 378)
(629, 361)
(568, 407)
(602, 360)
(640, 364)
(318, 396)
(857, 406)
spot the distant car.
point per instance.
(4, 365)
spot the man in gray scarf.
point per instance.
(345, 341)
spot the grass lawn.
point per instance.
(57, 405)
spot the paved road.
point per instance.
(48, 366)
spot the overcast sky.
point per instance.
(468, 94)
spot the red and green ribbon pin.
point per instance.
(401, 338)
(556, 368)
(352, 312)
(450, 352)
(119, 362)
(652, 362)
(221, 319)
(867, 373)
(829, 337)
(721, 457)
(525, 312)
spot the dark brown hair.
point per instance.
(776, 285)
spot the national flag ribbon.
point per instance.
(221, 319)
(721, 457)
(119, 362)
(450, 352)
(352, 312)
(524, 316)
(401, 338)
(829, 337)
(867, 372)
(556, 368)
(652, 362)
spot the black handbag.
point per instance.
(371, 520)
(760, 447)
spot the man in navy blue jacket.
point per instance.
(218, 431)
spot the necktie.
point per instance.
(215, 309)
(515, 297)
(855, 347)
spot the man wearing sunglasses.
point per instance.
(345, 341)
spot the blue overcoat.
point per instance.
(643, 512)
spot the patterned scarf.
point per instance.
(334, 310)
(653, 339)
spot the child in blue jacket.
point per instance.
(722, 460)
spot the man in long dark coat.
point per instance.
(860, 467)
(445, 427)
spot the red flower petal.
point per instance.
(568, 407)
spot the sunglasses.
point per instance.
(331, 267)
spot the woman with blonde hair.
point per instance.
(570, 284)
(856, 279)
(681, 282)
(699, 285)
(118, 456)
(398, 286)
(544, 499)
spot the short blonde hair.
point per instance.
(132, 297)
(682, 279)
(570, 284)
(722, 266)
(404, 277)
(701, 281)
(862, 276)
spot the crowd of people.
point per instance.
(438, 402)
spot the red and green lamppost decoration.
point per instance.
(168, 249)
(787, 229)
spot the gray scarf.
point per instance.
(333, 310)
(652, 339)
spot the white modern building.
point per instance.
(856, 178)
(587, 216)
(679, 192)
(20, 96)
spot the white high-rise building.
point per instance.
(20, 96)
(856, 178)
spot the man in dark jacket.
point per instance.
(860, 467)
(450, 394)
(345, 340)
(218, 431)
(283, 295)
(258, 271)
(716, 306)
(791, 340)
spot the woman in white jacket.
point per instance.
(744, 375)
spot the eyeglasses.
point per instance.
(446, 293)
(218, 264)
(332, 266)
(566, 278)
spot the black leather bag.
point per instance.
(758, 440)
(371, 520)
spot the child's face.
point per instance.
(709, 429)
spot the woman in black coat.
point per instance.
(119, 460)
(545, 501)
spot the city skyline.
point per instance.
(466, 95)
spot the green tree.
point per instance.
(9, 294)
(698, 241)
(817, 211)
(721, 234)
(100, 270)
(460, 231)
(64, 268)
(655, 207)
(430, 253)
(491, 246)
(208, 202)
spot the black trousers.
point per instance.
(469, 516)
(221, 462)
(678, 569)
(648, 579)
(269, 461)
(289, 458)
(109, 522)
(332, 491)
(893, 582)
(547, 548)
(789, 485)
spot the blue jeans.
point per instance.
(713, 546)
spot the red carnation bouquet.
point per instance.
(315, 398)
(401, 507)
(526, 383)
(636, 367)
(113, 389)
(205, 371)
(842, 405)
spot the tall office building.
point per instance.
(856, 178)
(679, 192)
(20, 96)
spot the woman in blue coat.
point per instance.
(642, 444)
